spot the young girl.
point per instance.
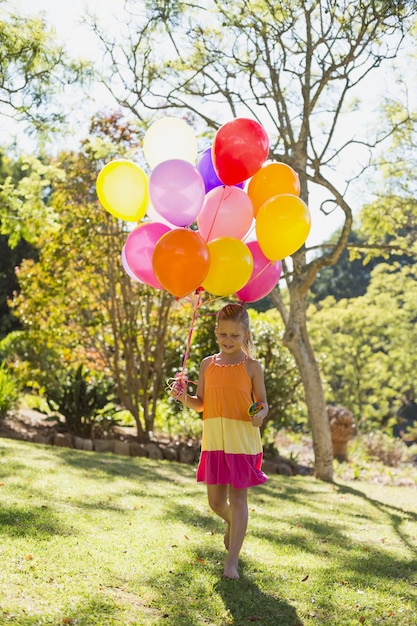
(231, 455)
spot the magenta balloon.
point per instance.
(226, 212)
(206, 168)
(265, 276)
(126, 266)
(139, 248)
(177, 191)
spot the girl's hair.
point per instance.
(238, 313)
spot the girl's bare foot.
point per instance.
(226, 539)
(230, 570)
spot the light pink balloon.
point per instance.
(139, 248)
(226, 212)
(177, 191)
(126, 266)
(265, 275)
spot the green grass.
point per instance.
(90, 539)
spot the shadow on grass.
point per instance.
(247, 603)
(348, 554)
(37, 522)
(396, 514)
(95, 611)
(113, 466)
(194, 593)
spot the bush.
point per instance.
(380, 446)
(9, 391)
(85, 400)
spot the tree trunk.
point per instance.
(297, 341)
(316, 406)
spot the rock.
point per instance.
(121, 447)
(138, 449)
(103, 445)
(154, 451)
(269, 467)
(187, 454)
(44, 439)
(170, 452)
(83, 444)
(64, 440)
(284, 469)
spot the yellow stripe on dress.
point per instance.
(234, 437)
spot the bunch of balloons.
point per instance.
(221, 221)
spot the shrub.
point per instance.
(85, 400)
(9, 391)
(380, 446)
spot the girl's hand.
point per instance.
(259, 417)
(179, 390)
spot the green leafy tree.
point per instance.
(34, 69)
(78, 299)
(389, 223)
(364, 345)
(295, 66)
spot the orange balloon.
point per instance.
(272, 180)
(181, 261)
(282, 226)
(231, 265)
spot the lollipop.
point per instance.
(255, 408)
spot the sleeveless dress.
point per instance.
(231, 449)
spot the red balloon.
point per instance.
(181, 261)
(239, 150)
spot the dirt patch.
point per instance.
(26, 424)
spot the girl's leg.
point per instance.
(238, 524)
(218, 502)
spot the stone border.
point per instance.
(158, 450)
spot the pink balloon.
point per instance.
(126, 266)
(265, 276)
(177, 191)
(139, 248)
(226, 212)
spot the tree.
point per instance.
(33, 71)
(292, 65)
(78, 299)
(389, 223)
(347, 278)
(365, 344)
(350, 277)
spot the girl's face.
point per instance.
(230, 336)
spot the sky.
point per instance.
(65, 17)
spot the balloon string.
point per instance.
(179, 383)
(261, 271)
(249, 233)
(216, 212)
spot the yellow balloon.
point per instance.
(231, 265)
(282, 226)
(169, 138)
(123, 190)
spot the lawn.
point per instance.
(95, 539)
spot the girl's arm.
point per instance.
(259, 392)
